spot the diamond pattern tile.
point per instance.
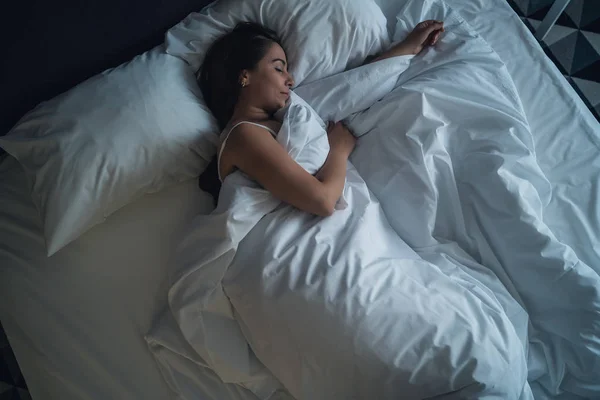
(573, 44)
(12, 383)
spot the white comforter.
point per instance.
(435, 278)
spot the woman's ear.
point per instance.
(244, 78)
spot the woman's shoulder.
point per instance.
(270, 125)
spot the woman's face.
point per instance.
(268, 85)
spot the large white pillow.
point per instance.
(320, 37)
(131, 130)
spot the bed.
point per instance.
(78, 320)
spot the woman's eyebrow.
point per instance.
(279, 59)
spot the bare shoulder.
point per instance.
(248, 145)
(248, 136)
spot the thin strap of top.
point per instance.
(226, 136)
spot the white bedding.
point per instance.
(76, 320)
(450, 155)
(565, 133)
(98, 296)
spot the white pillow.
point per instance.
(320, 38)
(131, 130)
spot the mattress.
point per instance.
(77, 320)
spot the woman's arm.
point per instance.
(425, 34)
(255, 152)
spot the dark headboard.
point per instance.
(49, 46)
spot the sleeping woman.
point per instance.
(333, 308)
(244, 80)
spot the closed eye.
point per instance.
(277, 67)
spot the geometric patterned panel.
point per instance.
(573, 43)
(12, 383)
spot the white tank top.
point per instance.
(225, 136)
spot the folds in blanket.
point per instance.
(338, 310)
(451, 159)
(561, 293)
(196, 298)
(464, 41)
(453, 100)
(188, 375)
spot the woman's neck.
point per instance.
(248, 112)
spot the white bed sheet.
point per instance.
(76, 321)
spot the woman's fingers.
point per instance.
(425, 34)
(431, 30)
(435, 36)
(431, 25)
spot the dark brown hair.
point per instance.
(218, 78)
(238, 50)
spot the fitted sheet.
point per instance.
(76, 321)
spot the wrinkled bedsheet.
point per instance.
(435, 278)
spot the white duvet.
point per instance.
(436, 278)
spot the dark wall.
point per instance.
(48, 46)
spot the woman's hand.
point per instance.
(341, 140)
(425, 34)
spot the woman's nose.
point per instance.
(290, 81)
